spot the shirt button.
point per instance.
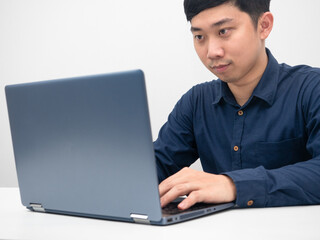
(240, 112)
(250, 203)
(235, 148)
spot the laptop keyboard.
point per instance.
(172, 208)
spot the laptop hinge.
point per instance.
(139, 218)
(37, 207)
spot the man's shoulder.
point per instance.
(303, 79)
(210, 86)
(300, 71)
(201, 92)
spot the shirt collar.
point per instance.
(265, 90)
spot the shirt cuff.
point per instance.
(251, 187)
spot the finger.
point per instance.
(180, 177)
(193, 198)
(169, 183)
(174, 193)
(164, 187)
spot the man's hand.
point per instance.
(199, 186)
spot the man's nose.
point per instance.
(215, 50)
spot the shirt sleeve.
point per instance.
(175, 147)
(296, 184)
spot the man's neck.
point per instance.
(242, 90)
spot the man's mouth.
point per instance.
(220, 68)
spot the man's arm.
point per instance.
(175, 147)
(297, 184)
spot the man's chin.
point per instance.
(222, 77)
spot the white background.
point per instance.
(42, 39)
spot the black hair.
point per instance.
(254, 8)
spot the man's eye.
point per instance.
(223, 32)
(198, 37)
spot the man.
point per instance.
(255, 129)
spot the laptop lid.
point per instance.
(83, 146)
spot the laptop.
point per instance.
(83, 147)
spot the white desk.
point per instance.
(16, 222)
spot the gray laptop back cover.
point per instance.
(84, 146)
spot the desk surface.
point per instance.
(16, 222)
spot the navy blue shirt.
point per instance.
(270, 146)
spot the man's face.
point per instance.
(228, 43)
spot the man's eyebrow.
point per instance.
(195, 29)
(221, 22)
(216, 24)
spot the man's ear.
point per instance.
(265, 25)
